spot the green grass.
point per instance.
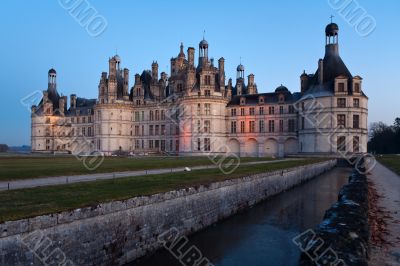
(24, 167)
(390, 161)
(18, 204)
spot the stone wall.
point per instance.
(342, 237)
(120, 231)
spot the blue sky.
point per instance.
(277, 40)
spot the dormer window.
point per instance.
(281, 98)
(242, 101)
(341, 87)
(261, 100)
(357, 88)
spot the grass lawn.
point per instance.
(24, 167)
(18, 204)
(390, 161)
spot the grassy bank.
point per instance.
(24, 167)
(390, 161)
(17, 204)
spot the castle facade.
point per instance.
(195, 111)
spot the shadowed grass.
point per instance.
(25, 167)
(390, 161)
(18, 204)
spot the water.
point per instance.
(263, 234)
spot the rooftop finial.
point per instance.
(204, 34)
(332, 18)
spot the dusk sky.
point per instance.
(276, 40)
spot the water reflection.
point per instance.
(262, 235)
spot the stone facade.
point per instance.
(118, 232)
(193, 111)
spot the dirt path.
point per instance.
(384, 216)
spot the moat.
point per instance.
(263, 235)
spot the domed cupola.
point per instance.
(281, 89)
(240, 71)
(332, 29)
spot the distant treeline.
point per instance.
(3, 148)
(385, 139)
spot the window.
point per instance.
(180, 87)
(207, 80)
(198, 144)
(242, 129)
(291, 109)
(137, 117)
(341, 120)
(157, 115)
(341, 143)
(262, 126)
(151, 115)
(280, 125)
(252, 111)
(341, 102)
(357, 87)
(356, 144)
(207, 126)
(271, 126)
(143, 130)
(207, 108)
(162, 115)
(356, 102)
(271, 110)
(207, 93)
(233, 112)
(207, 144)
(136, 130)
(151, 131)
(83, 131)
(261, 110)
(356, 121)
(198, 109)
(241, 111)
(198, 126)
(303, 123)
(340, 87)
(233, 127)
(291, 125)
(89, 131)
(151, 144)
(157, 130)
(252, 126)
(281, 109)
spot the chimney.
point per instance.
(250, 80)
(45, 96)
(190, 52)
(61, 105)
(126, 81)
(321, 71)
(221, 69)
(154, 71)
(73, 101)
(137, 79)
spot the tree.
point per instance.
(384, 138)
(3, 147)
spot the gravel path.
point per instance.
(387, 184)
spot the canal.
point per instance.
(263, 234)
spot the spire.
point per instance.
(181, 52)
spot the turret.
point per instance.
(303, 82)
(52, 77)
(61, 104)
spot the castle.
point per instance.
(193, 111)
